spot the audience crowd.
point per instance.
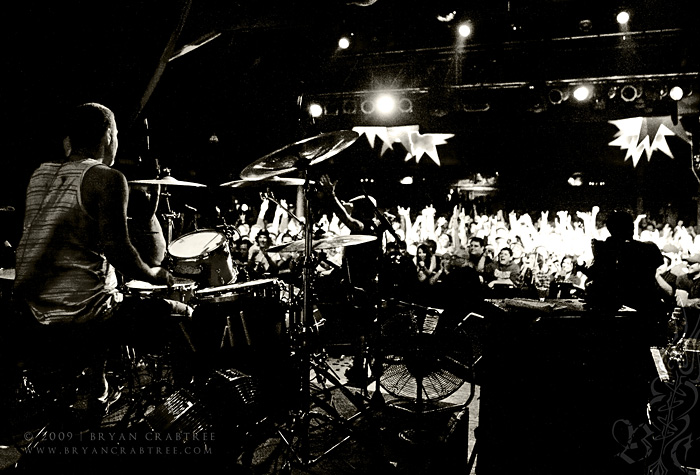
(514, 254)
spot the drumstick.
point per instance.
(245, 328)
(228, 329)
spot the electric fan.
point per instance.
(425, 358)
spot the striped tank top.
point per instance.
(61, 271)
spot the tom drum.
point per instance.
(203, 256)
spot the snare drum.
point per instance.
(181, 291)
(203, 256)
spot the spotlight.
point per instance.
(585, 26)
(407, 180)
(406, 105)
(623, 18)
(344, 42)
(557, 96)
(349, 107)
(386, 104)
(676, 93)
(367, 107)
(582, 93)
(464, 30)
(629, 93)
(315, 110)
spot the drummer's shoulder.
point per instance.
(104, 178)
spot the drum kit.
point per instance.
(202, 262)
(202, 259)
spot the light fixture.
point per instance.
(676, 93)
(315, 110)
(406, 105)
(585, 26)
(349, 107)
(581, 93)
(629, 93)
(464, 30)
(385, 104)
(407, 180)
(623, 17)
(557, 96)
(367, 107)
(344, 42)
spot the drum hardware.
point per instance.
(168, 215)
(300, 156)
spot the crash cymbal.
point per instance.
(299, 155)
(275, 180)
(167, 181)
(323, 243)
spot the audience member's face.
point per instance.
(263, 241)
(420, 253)
(475, 248)
(567, 265)
(444, 240)
(504, 257)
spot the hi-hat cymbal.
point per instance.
(269, 181)
(323, 243)
(299, 155)
(167, 181)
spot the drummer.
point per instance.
(75, 236)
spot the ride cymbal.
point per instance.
(167, 181)
(323, 243)
(269, 181)
(300, 155)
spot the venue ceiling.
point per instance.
(210, 86)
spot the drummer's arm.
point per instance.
(105, 194)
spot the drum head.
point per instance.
(196, 244)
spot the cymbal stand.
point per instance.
(307, 361)
(169, 216)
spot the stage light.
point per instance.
(386, 104)
(349, 107)
(582, 93)
(367, 107)
(407, 180)
(344, 42)
(585, 26)
(464, 30)
(623, 17)
(629, 93)
(406, 105)
(557, 96)
(315, 110)
(676, 93)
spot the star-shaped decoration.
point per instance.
(372, 132)
(426, 144)
(401, 134)
(641, 135)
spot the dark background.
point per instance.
(218, 108)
